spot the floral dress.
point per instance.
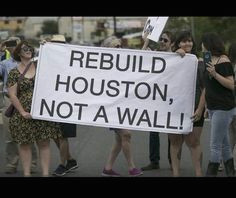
(26, 131)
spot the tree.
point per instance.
(49, 27)
(223, 26)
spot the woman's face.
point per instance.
(26, 52)
(186, 45)
(165, 43)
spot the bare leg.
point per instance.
(126, 147)
(44, 154)
(63, 146)
(193, 142)
(64, 150)
(176, 142)
(116, 148)
(26, 157)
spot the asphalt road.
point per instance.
(92, 145)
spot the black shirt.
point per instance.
(219, 97)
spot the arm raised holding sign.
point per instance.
(146, 41)
(166, 42)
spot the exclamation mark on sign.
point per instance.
(181, 121)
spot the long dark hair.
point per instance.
(232, 53)
(183, 36)
(213, 43)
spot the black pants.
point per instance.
(154, 148)
(68, 130)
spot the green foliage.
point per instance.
(223, 26)
(176, 24)
(49, 27)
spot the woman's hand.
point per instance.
(211, 69)
(197, 115)
(206, 115)
(42, 42)
(181, 52)
(26, 115)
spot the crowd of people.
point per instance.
(28, 139)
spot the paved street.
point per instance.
(92, 146)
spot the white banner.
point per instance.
(112, 87)
(154, 27)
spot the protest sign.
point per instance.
(113, 87)
(154, 27)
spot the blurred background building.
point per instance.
(84, 30)
(77, 30)
(10, 26)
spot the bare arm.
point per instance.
(12, 92)
(202, 101)
(199, 111)
(227, 82)
(146, 41)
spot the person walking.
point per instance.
(122, 136)
(68, 163)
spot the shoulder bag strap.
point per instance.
(22, 76)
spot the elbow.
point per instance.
(232, 87)
(12, 97)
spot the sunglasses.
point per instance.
(27, 48)
(163, 39)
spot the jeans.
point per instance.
(232, 133)
(154, 147)
(219, 140)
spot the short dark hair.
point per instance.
(183, 35)
(232, 52)
(17, 50)
(213, 43)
